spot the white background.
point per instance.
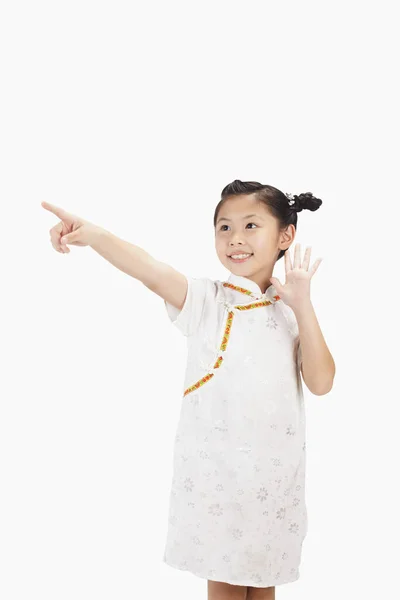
(135, 116)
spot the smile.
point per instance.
(240, 257)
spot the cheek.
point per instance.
(220, 248)
(262, 244)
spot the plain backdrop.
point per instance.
(135, 116)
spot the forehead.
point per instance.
(241, 207)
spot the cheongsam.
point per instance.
(237, 511)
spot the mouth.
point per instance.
(244, 257)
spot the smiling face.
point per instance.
(245, 225)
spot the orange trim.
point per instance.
(227, 332)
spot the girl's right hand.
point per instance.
(70, 230)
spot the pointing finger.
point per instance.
(56, 210)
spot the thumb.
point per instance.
(277, 284)
(70, 238)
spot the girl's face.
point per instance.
(245, 226)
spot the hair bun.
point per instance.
(306, 201)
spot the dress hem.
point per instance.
(249, 582)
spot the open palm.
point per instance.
(296, 290)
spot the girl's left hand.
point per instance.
(296, 291)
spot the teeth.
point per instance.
(240, 255)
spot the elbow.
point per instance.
(323, 385)
(321, 390)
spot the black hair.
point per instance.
(283, 207)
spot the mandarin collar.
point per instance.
(251, 285)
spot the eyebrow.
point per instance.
(246, 217)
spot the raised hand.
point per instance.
(296, 290)
(70, 230)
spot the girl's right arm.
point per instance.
(160, 278)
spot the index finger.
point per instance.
(59, 212)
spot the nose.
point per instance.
(235, 238)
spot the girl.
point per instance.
(237, 514)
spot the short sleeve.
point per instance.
(200, 292)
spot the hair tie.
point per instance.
(292, 202)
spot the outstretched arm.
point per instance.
(132, 260)
(160, 278)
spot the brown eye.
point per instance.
(227, 226)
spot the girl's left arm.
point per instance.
(318, 367)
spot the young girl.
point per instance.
(237, 514)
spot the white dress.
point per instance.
(237, 509)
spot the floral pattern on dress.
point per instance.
(237, 505)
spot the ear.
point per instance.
(286, 237)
